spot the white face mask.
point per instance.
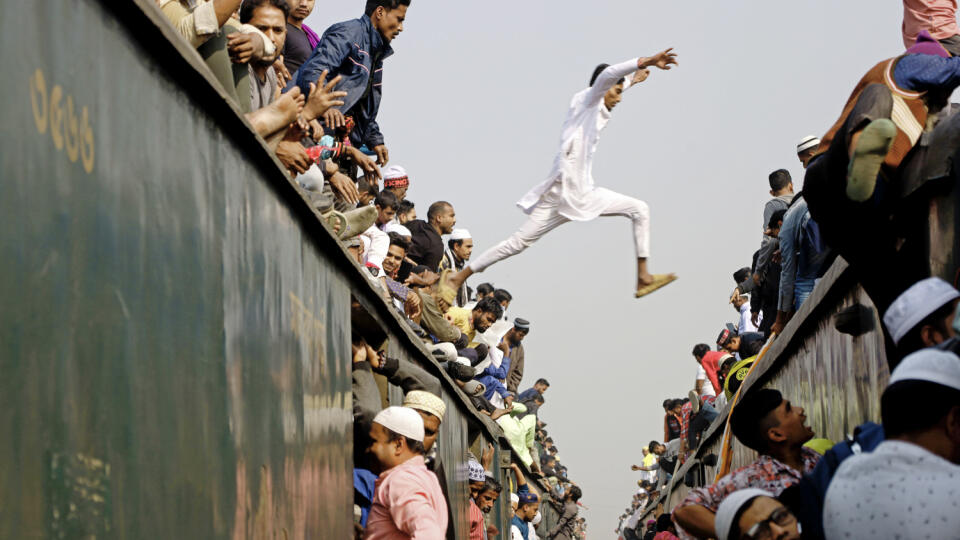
(536, 519)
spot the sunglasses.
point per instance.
(761, 531)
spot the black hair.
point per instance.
(542, 381)
(405, 206)
(779, 179)
(741, 275)
(598, 70)
(451, 243)
(666, 403)
(485, 289)
(386, 199)
(397, 240)
(548, 439)
(490, 305)
(911, 406)
(751, 417)
(248, 7)
(435, 210)
(664, 522)
(575, 493)
(414, 445)
(502, 295)
(490, 484)
(700, 349)
(389, 5)
(651, 444)
(363, 186)
(776, 218)
(912, 341)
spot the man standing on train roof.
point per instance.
(569, 193)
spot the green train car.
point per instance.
(175, 322)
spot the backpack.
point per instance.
(805, 499)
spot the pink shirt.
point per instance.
(407, 504)
(939, 17)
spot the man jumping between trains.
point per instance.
(569, 194)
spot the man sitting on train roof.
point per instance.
(853, 185)
(408, 501)
(766, 422)
(922, 316)
(909, 482)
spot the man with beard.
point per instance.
(483, 315)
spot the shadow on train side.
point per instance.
(176, 322)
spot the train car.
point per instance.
(176, 322)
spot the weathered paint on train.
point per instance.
(174, 336)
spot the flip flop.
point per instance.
(659, 280)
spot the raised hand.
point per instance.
(662, 60)
(322, 97)
(640, 76)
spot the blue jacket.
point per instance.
(354, 50)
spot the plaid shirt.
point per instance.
(765, 473)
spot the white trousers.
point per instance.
(546, 216)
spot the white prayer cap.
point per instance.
(931, 365)
(402, 420)
(394, 171)
(475, 471)
(397, 228)
(915, 304)
(731, 506)
(514, 498)
(460, 234)
(426, 402)
(536, 519)
(808, 142)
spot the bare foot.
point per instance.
(644, 279)
(277, 115)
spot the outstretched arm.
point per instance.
(615, 73)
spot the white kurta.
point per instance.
(573, 166)
(900, 490)
(568, 193)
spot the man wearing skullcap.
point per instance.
(922, 316)
(408, 502)
(754, 513)
(431, 409)
(514, 339)
(459, 249)
(528, 503)
(766, 422)
(569, 193)
(476, 479)
(896, 102)
(908, 486)
(807, 148)
(395, 180)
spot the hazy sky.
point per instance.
(473, 101)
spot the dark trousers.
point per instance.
(863, 233)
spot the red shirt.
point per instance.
(711, 364)
(476, 521)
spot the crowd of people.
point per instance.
(890, 480)
(314, 99)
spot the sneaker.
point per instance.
(694, 401)
(872, 147)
